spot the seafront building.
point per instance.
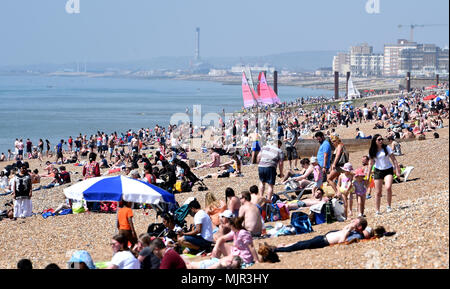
(361, 61)
(397, 60)
(365, 63)
(392, 56)
(426, 59)
(341, 63)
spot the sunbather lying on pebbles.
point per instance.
(355, 228)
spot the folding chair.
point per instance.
(309, 187)
(405, 175)
(407, 172)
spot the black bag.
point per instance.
(186, 186)
(155, 229)
(343, 159)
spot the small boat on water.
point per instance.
(264, 95)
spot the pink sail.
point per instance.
(265, 95)
(247, 93)
(275, 98)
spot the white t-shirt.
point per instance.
(125, 260)
(365, 111)
(201, 217)
(382, 161)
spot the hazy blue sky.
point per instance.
(38, 31)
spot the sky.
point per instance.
(41, 31)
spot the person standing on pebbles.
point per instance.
(21, 193)
(92, 170)
(382, 155)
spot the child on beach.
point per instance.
(125, 223)
(346, 189)
(318, 174)
(360, 185)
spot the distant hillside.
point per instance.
(293, 61)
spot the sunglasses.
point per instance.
(380, 139)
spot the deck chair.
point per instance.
(309, 188)
(404, 174)
(299, 191)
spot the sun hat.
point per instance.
(82, 256)
(347, 167)
(227, 214)
(313, 160)
(360, 172)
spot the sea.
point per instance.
(56, 107)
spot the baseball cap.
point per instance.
(227, 214)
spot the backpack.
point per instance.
(180, 214)
(300, 221)
(65, 177)
(276, 212)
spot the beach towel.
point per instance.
(65, 212)
(102, 265)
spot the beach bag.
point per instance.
(155, 229)
(284, 211)
(180, 214)
(78, 207)
(343, 159)
(338, 209)
(186, 187)
(300, 221)
(178, 186)
(276, 212)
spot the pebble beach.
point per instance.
(420, 218)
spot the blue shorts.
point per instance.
(198, 241)
(267, 175)
(256, 147)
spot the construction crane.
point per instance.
(413, 26)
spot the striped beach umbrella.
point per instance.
(114, 189)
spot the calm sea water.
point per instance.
(58, 107)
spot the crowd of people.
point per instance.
(225, 230)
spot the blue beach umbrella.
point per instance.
(114, 189)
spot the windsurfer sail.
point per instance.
(352, 92)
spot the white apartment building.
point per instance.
(391, 63)
(341, 63)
